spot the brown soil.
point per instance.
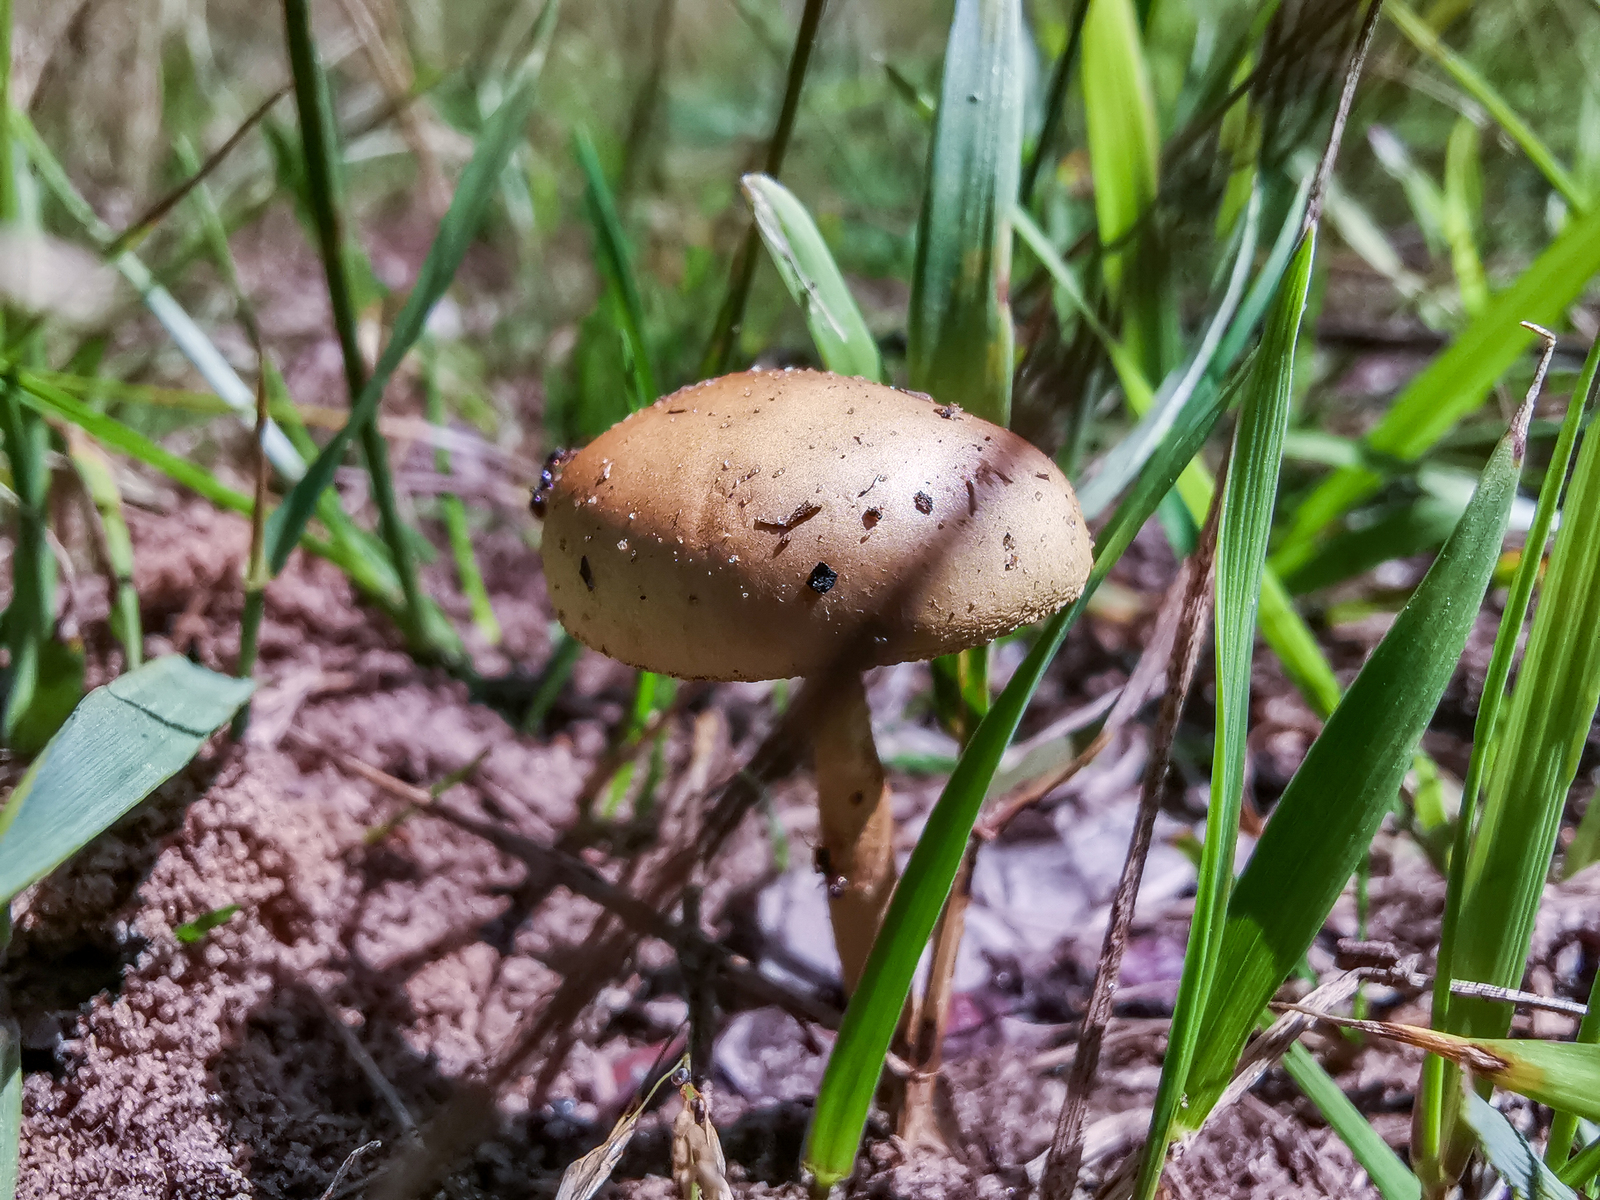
(361, 989)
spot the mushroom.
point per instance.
(765, 524)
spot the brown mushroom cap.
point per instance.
(756, 525)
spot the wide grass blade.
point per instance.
(467, 208)
(1456, 382)
(1248, 498)
(1509, 1153)
(1426, 1121)
(1323, 824)
(857, 1058)
(805, 264)
(615, 261)
(1535, 760)
(120, 743)
(958, 335)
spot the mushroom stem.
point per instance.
(856, 854)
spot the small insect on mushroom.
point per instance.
(549, 476)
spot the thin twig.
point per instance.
(147, 220)
(1352, 76)
(1193, 585)
(376, 1079)
(344, 1168)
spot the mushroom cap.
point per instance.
(759, 525)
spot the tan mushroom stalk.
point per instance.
(762, 525)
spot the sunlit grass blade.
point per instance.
(1456, 382)
(1564, 1126)
(1382, 1165)
(325, 197)
(1535, 759)
(190, 339)
(454, 513)
(723, 344)
(869, 1023)
(1248, 499)
(1427, 1119)
(120, 743)
(1324, 822)
(52, 402)
(1124, 151)
(1463, 207)
(10, 1105)
(844, 343)
(471, 201)
(959, 335)
(1470, 80)
(1509, 1153)
(94, 470)
(615, 261)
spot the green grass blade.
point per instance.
(1427, 1123)
(1535, 761)
(454, 513)
(1471, 81)
(1463, 206)
(1565, 1125)
(10, 1106)
(1509, 1153)
(121, 742)
(1119, 466)
(190, 339)
(1325, 820)
(473, 196)
(1457, 381)
(1382, 1165)
(1124, 149)
(857, 1058)
(616, 268)
(730, 317)
(101, 485)
(52, 402)
(959, 335)
(844, 343)
(1248, 499)
(324, 195)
